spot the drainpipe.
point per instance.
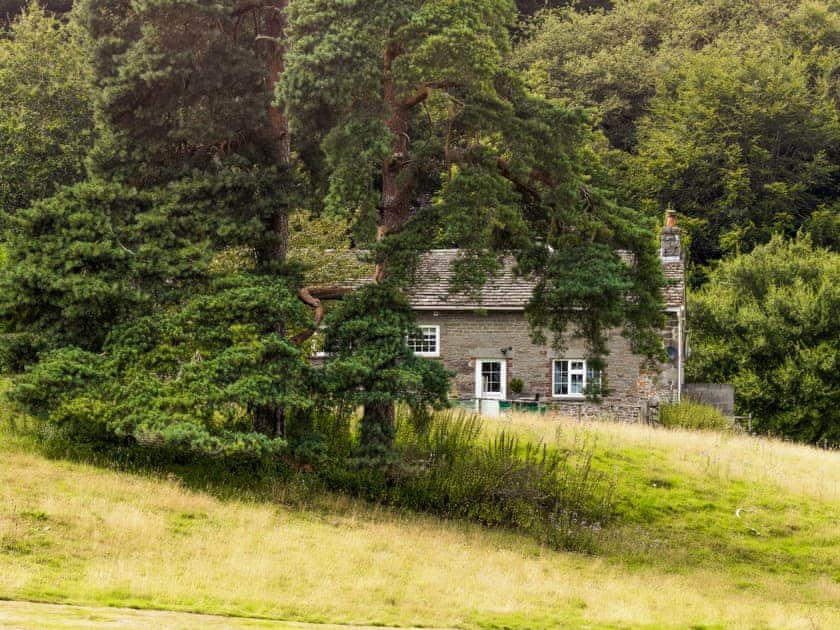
(680, 352)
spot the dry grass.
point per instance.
(73, 533)
(795, 468)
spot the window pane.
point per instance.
(577, 370)
(429, 339)
(491, 377)
(426, 342)
(561, 378)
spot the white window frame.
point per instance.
(481, 395)
(420, 353)
(584, 372)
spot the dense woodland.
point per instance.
(171, 170)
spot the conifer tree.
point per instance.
(187, 87)
(427, 138)
(189, 187)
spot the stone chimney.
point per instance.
(671, 244)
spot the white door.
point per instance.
(490, 379)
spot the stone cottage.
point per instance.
(484, 338)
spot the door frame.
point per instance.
(481, 395)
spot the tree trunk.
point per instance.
(276, 62)
(393, 213)
(378, 430)
(275, 26)
(270, 420)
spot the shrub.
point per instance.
(767, 323)
(689, 414)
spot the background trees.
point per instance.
(743, 140)
(725, 111)
(46, 114)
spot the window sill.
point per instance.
(570, 397)
(428, 355)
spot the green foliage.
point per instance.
(333, 83)
(741, 139)
(516, 385)
(725, 111)
(186, 379)
(68, 276)
(767, 323)
(46, 117)
(443, 145)
(11, 8)
(693, 415)
(530, 7)
(95, 254)
(611, 60)
(323, 246)
(180, 86)
(371, 365)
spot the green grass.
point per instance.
(713, 530)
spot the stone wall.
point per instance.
(466, 336)
(720, 396)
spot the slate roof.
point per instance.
(505, 290)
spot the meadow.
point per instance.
(712, 530)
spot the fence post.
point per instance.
(580, 412)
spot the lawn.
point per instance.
(713, 531)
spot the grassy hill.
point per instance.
(714, 531)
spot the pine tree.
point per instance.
(187, 87)
(190, 186)
(428, 138)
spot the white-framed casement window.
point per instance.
(573, 378)
(426, 343)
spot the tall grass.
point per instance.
(81, 534)
(689, 414)
(448, 467)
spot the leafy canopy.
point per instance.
(46, 114)
(744, 141)
(767, 322)
(185, 380)
(723, 110)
